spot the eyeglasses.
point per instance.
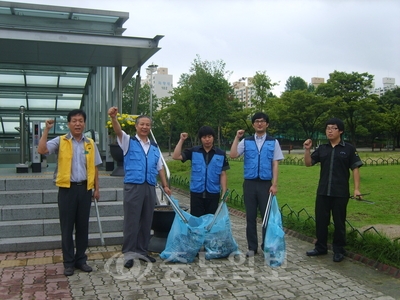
(260, 121)
(328, 128)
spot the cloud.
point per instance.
(284, 38)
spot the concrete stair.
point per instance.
(29, 213)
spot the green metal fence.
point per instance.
(236, 200)
(299, 161)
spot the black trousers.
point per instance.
(201, 206)
(256, 194)
(74, 209)
(324, 207)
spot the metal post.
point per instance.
(150, 70)
(22, 167)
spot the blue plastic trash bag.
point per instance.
(219, 242)
(274, 243)
(185, 239)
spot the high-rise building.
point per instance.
(388, 85)
(162, 84)
(316, 81)
(244, 90)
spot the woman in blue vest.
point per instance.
(208, 177)
(261, 160)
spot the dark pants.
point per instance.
(256, 194)
(324, 206)
(74, 209)
(201, 206)
(139, 202)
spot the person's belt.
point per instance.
(258, 179)
(79, 183)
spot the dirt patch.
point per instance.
(391, 231)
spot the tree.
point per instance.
(354, 99)
(128, 95)
(295, 83)
(203, 97)
(307, 110)
(262, 85)
(389, 108)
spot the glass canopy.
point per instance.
(50, 55)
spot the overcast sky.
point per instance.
(281, 37)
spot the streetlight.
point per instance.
(150, 70)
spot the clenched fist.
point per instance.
(49, 123)
(112, 112)
(307, 144)
(184, 136)
(239, 133)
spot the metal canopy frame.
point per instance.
(54, 59)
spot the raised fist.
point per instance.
(184, 136)
(113, 111)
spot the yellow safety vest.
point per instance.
(65, 153)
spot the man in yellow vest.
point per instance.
(76, 175)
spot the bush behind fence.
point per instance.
(236, 200)
(299, 161)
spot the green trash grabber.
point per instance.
(218, 210)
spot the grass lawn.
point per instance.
(297, 187)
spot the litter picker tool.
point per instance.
(99, 222)
(175, 207)
(359, 198)
(224, 197)
(267, 210)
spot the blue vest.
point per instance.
(258, 164)
(139, 166)
(206, 177)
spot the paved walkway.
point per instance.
(39, 275)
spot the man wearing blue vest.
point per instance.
(208, 177)
(261, 160)
(77, 179)
(142, 164)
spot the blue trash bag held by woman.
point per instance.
(219, 241)
(274, 244)
(185, 240)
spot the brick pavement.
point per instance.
(39, 275)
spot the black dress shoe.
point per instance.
(251, 253)
(69, 271)
(85, 268)
(128, 264)
(338, 257)
(147, 258)
(315, 252)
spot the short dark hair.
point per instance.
(259, 115)
(76, 112)
(335, 121)
(206, 130)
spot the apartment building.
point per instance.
(244, 90)
(388, 84)
(162, 82)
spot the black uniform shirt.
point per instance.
(336, 163)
